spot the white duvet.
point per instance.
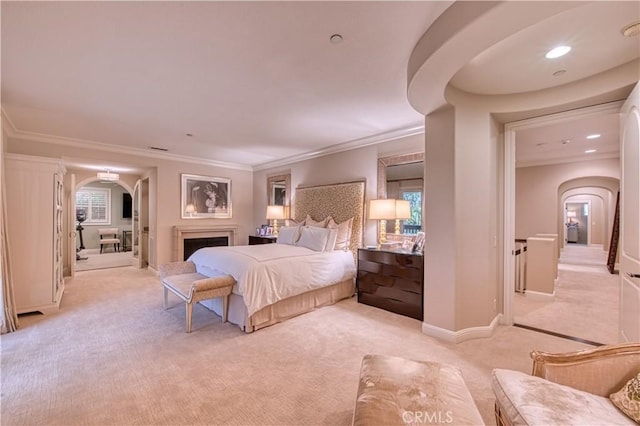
(268, 273)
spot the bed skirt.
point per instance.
(283, 309)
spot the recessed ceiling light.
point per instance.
(541, 144)
(593, 136)
(188, 134)
(556, 52)
(559, 73)
(590, 151)
(565, 141)
(335, 39)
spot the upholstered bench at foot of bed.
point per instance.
(191, 287)
(398, 391)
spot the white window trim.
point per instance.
(90, 220)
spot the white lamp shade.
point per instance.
(382, 209)
(275, 212)
(403, 209)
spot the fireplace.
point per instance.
(190, 238)
(192, 244)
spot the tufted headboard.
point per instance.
(341, 201)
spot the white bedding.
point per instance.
(268, 273)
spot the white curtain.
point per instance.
(9, 318)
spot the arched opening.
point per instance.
(103, 206)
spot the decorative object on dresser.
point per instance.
(256, 239)
(205, 197)
(391, 280)
(35, 202)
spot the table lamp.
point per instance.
(274, 213)
(382, 210)
(403, 211)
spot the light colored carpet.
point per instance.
(95, 260)
(587, 299)
(113, 355)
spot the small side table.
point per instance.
(126, 240)
(255, 240)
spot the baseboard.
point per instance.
(543, 297)
(461, 335)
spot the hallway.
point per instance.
(586, 303)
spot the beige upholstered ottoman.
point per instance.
(191, 287)
(397, 391)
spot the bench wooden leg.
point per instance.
(189, 312)
(225, 308)
(165, 302)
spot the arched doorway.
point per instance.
(103, 205)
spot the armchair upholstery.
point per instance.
(567, 388)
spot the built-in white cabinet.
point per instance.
(35, 207)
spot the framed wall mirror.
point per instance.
(402, 177)
(279, 190)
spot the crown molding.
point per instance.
(346, 146)
(14, 133)
(564, 160)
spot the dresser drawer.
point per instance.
(392, 281)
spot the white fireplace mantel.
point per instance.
(182, 233)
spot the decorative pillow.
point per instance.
(343, 239)
(310, 222)
(331, 240)
(314, 238)
(627, 399)
(288, 235)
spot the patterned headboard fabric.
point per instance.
(341, 201)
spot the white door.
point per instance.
(72, 223)
(136, 234)
(630, 219)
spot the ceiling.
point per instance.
(251, 83)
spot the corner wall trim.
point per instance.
(461, 335)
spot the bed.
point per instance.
(279, 281)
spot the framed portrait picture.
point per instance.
(269, 231)
(418, 243)
(205, 197)
(407, 244)
(263, 230)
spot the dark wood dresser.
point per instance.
(391, 280)
(255, 240)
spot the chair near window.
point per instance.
(109, 236)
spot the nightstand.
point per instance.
(391, 280)
(255, 240)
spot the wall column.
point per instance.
(460, 224)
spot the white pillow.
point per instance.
(331, 240)
(313, 238)
(288, 235)
(308, 221)
(343, 240)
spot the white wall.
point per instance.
(164, 190)
(537, 199)
(347, 166)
